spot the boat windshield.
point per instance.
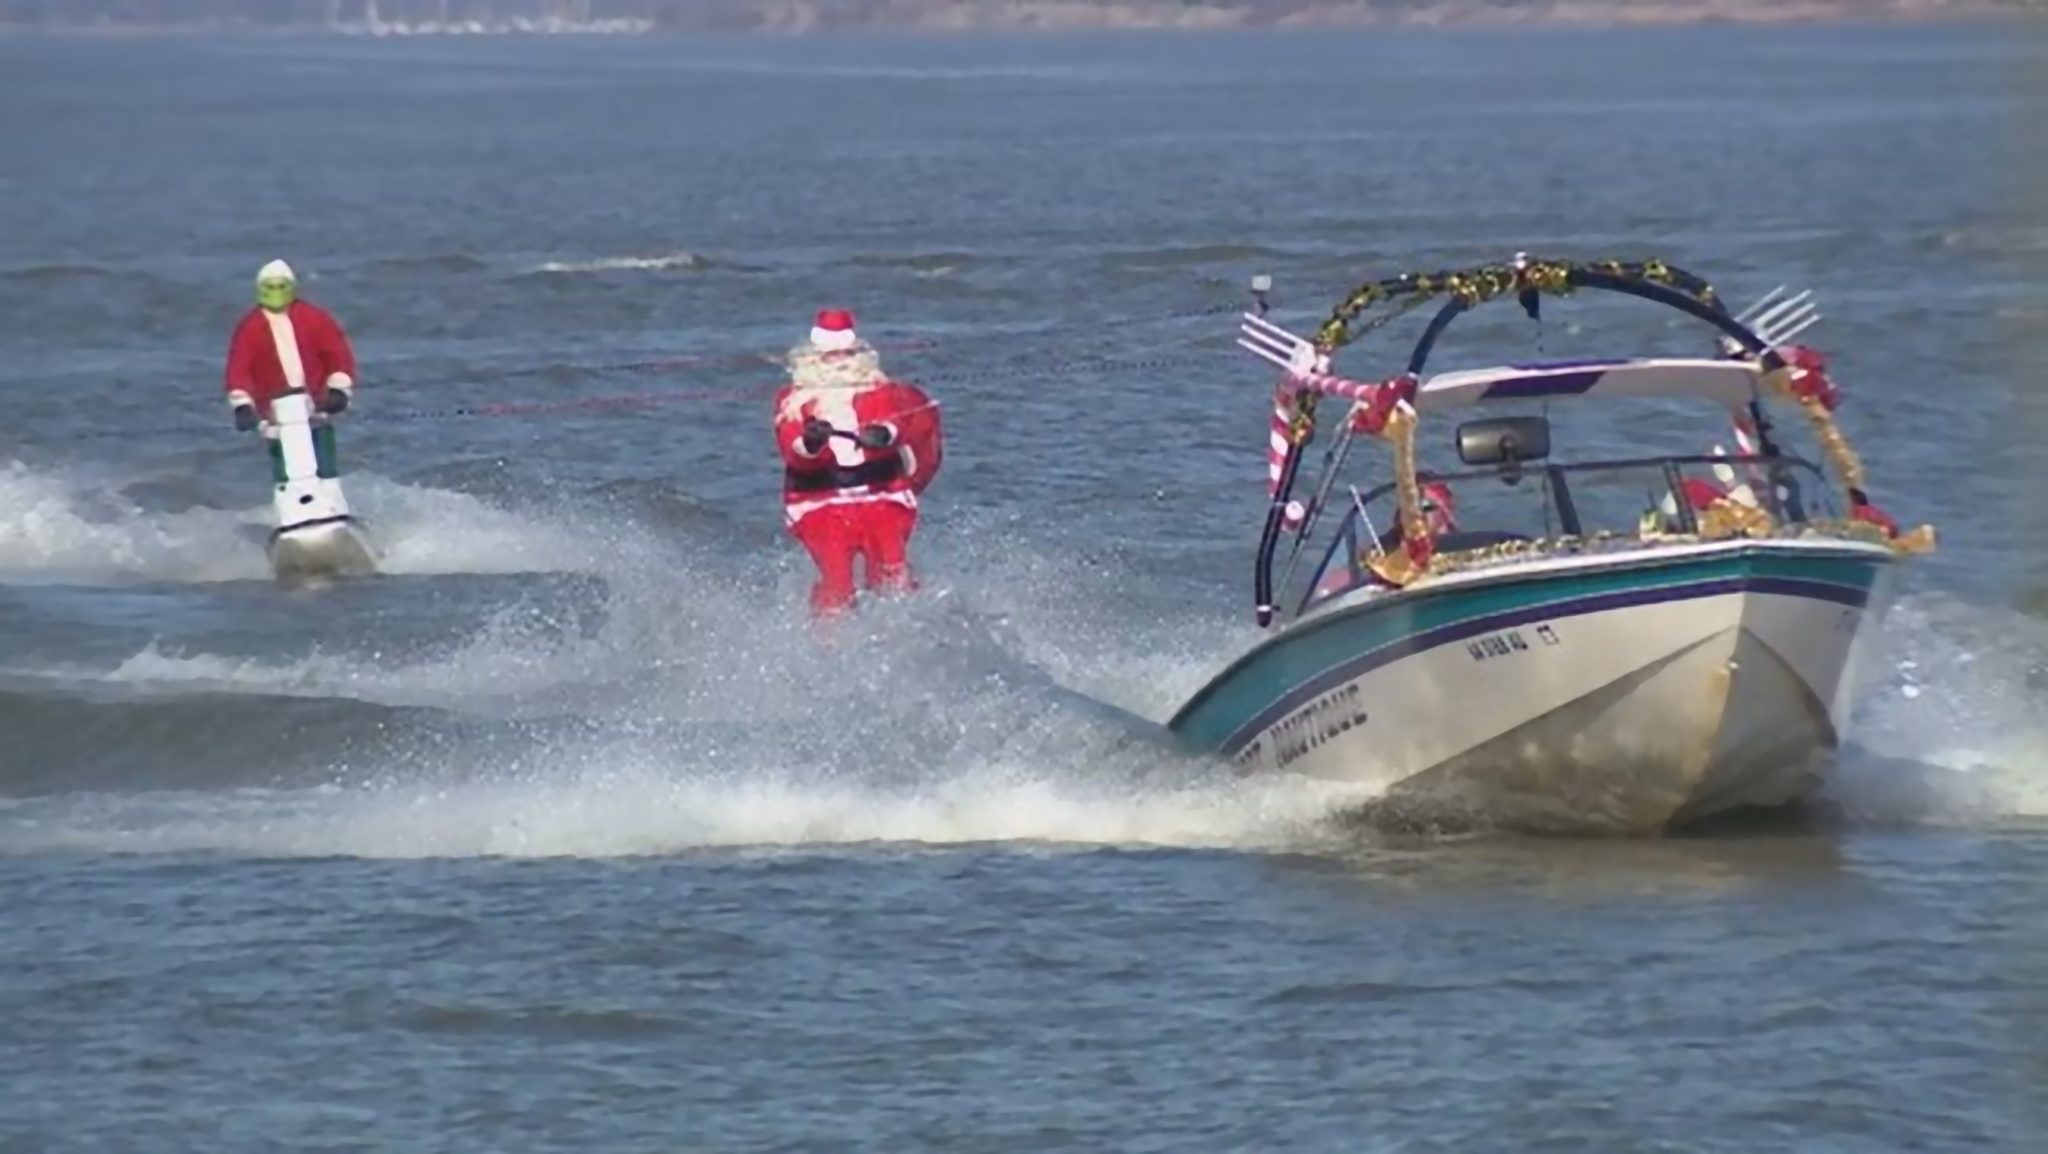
(1542, 501)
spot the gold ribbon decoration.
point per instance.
(1399, 567)
(1727, 517)
(1848, 467)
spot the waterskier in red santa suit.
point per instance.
(857, 449)
(282, 344)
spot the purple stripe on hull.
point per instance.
(1589, 363)
(1553, 385)
(1365, 663)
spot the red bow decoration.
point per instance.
(1420, 550)
(1701, 494)
(1810, 378)
(1372, 419)
(1860, 509)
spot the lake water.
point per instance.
(567, 836)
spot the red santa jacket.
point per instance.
(300, 348)
(843, 472)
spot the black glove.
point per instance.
(816, 433)
(333, 401)
(245, 418)
(876, 437)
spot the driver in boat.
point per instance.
(286, 344)
(1702, 495)
(1439, 511)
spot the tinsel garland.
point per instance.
(1607, 541)
(1726, 518)
(1847, 465)
(1399, 567)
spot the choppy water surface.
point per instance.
(567, 836)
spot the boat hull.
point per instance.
(1634, 692)
(319, 550)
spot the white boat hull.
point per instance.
(321, 550)
(1624, 693)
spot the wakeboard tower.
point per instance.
(317, 536)
(1557, 642)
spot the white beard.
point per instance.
(825, 378)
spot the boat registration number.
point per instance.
(1507, 643)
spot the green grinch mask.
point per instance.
(275, 295)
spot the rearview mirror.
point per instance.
(1504, 440)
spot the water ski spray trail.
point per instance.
(62, 528)
(59, 529)
(437, 531)
(703, 711)
(722, 719)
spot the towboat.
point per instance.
(316, 537)
(1546, 637)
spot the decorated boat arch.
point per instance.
(1756, 363)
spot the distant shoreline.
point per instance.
(1024, 17)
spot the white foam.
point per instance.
(730, 723)
(494, 666)
(1950, 727)
(643, 810)
(423, 530)
(664, 262)
(60, 527)
(934, 721)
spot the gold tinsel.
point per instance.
(1604, 541)
(1847, 465)
(1725, 518)
(1476, 286)
(1548, 277)
(1920, 540)
(1395, 566)
(1443, 563)
(1400, 429)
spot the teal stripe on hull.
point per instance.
(1263, 677)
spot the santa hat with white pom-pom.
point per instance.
(833, 331)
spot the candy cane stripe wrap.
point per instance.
(1276, 442)
(1363, 395)
(1276, 453)
(1745, 433)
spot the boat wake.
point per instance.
(695, 713)
(685, 711)
(69, 529)
(642, 809)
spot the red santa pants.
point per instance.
(878, 531)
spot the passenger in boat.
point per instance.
(1439, 509)
(857, 450)
(1699, 494)
(283, 344)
